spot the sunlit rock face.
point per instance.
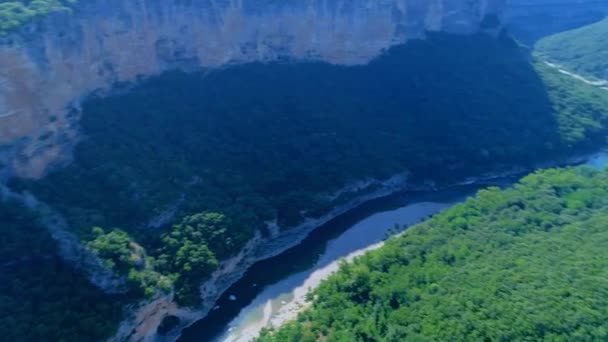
(530, 20)
(47, 68)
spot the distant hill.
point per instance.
(583, 50)
(531, 20)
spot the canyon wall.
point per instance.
(530, 20)
(50, 66)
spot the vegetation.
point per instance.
(581, 110)
(186, 254)
(583, 50)
(14, 14)
(122, 255)
(42, 298)
(524, 264)
(214, 156)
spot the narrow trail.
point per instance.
(602, 84)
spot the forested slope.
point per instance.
(41, 297)
(178, 173)
(583, 50)
(523, 264)
(226, 151)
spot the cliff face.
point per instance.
(530, 20)
(47, 68)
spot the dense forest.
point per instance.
(178, 173)
(14, 14)
(41, 297)
(583, 50)
(524, 264)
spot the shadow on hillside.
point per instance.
(280, 133)
(444, 105)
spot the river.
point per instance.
(272, 290)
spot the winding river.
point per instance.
(273, 290)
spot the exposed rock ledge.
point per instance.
(144, 319)
(48, 67)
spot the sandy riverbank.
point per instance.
(288, 301)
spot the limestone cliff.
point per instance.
(48, 67)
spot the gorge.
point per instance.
(180, 142)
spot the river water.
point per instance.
(272, 289)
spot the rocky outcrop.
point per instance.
(48, 67)
(530, 20)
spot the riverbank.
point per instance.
(283, 307)
(143, 320)
(485, 179)
(290, 301)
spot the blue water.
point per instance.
(598, 161)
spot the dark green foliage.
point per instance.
(188, 254)
(581, 111)
(122, 255)
(13, 14)
(117, 249)
(260, 142)
(523, 264)
(583, 50)
(42, 298)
